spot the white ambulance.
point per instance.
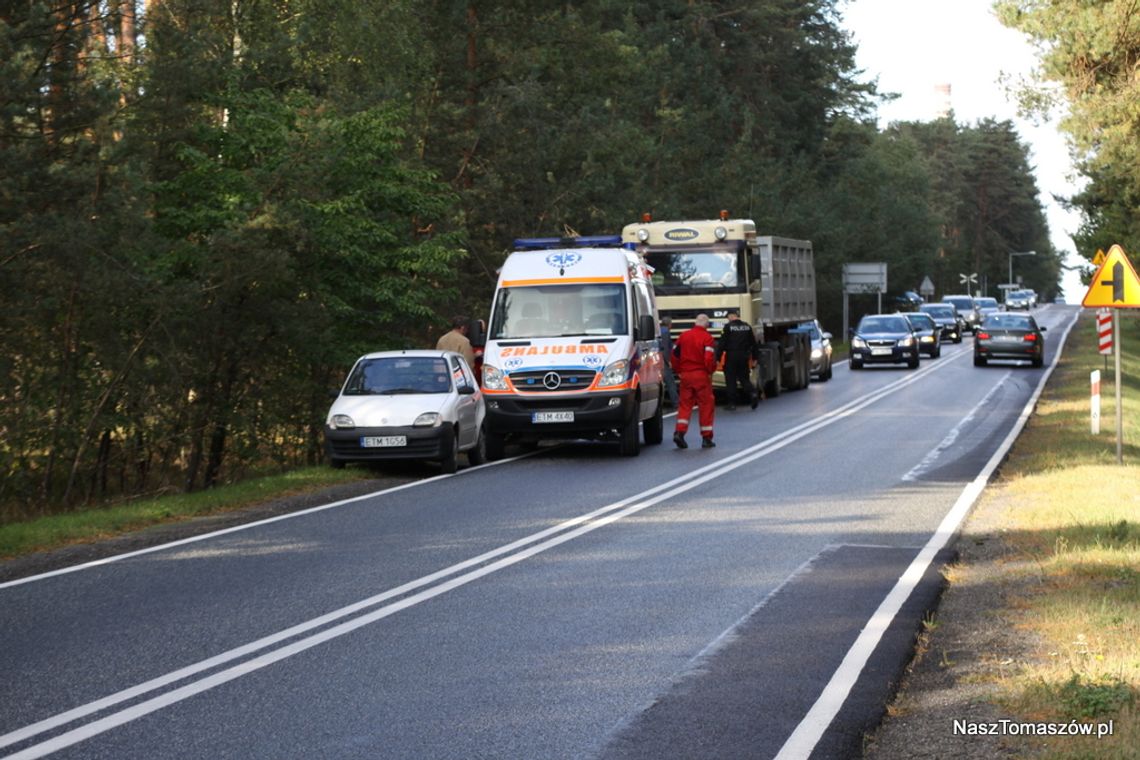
(572, 348)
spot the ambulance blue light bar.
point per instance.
(584, 241)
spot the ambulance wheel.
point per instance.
(495, 445)
(654, 427)
(630, 441)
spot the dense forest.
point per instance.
(211, 207)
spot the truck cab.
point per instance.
(571, 347)
(715, 266)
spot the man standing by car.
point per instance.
(456, 340)
(666, 341)
(694, 360)
(738, 346)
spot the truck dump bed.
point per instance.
(787, 276)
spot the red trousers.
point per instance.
(696, 388)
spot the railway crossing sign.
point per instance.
(1115, 285)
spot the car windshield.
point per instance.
(398, 375)
(921, 321)
(884, 325)
(987, 303)
(960, 303)
(810, 329)
(946, 312)
(1007, 322)
(551, 311)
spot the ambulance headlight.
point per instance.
(643, 235)
(493, 378)
(721, 233)
(615, 374)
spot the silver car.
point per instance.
(820, 348)
(407, 405)
(967, 310)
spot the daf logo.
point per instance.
(682, 234)
(551, 381)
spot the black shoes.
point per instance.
(755, 400)
(707, 443)
(679, 439)
(732, 407)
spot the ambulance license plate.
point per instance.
(382, 441)
(552, 417)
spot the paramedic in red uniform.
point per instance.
(694, 360)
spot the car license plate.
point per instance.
(1007, 339)
(552, 417)
(382, 441)
(880, 352)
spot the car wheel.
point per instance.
(337, 464)
(913, 363)
(856, 364)
(477, 454)
(1039, 362)
(654, 427)
(936, 353)
(494, 445)
(449, 448)
(630, 441)
(979, 361)
(826, 374)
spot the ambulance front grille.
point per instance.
(545, 380)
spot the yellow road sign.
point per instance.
(1099, 258)
(1115, 284)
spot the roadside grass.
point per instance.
(1073, 524)
(92, 524)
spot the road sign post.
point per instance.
(1115, 286)
(1094, 400)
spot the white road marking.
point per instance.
(504, 556)
(810, 730)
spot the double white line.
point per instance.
(322, 629)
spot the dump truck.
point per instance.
(720, 265)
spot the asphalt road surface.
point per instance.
(732, 602)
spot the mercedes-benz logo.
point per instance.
(551, 381)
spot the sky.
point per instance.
(912, 46)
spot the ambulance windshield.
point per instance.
(550, 311)
(676, 272)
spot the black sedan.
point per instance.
(928, 333)
(946, 317)
(885, 338)
(1009, 336)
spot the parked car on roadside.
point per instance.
(967, 309)
(927, 331)
(820, 348)
(407, 405)
(884, 338)
(909, 301)
(1009, 336)
(947, 319)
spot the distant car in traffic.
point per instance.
(820, 348)
(967, 309)
(946, 317)
(1009, 336)
(1017, 300)
(927, 331)
(909, 301)
(883, 338)
(407, 405)
(987, 306)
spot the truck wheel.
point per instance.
(772, 387)
(449, 448)
(495, 444)
(654, 427)
(630, 441)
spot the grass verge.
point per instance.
(1072, 524)
(54, 531)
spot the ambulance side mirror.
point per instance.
(646, 327)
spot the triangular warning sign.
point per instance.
(1115, 284)
(1099, 258)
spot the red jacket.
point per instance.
(694, 351)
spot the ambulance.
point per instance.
(571, 347)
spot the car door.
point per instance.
(467, 404)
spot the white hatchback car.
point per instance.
(407, 405)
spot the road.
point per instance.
(565, 604)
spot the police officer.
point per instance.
(694, 360)
(738, 346)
